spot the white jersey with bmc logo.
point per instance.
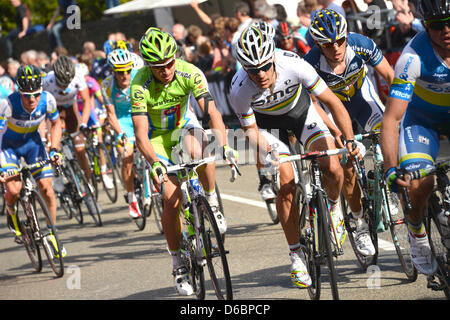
(64, 97)
(287, 105)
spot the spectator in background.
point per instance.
(242, 13)
(268, 13)
(281, 12)
(23, 22)
(331, 5)
(11, 69)
(89, 48)
(305, 9)
(206, 19)
(179, 33)
(58, 51)
(54, 28)
(43, 61)
(29, 57)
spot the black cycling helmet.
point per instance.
(284, 30)
(29, 78)
(434, 9)
(64, 70)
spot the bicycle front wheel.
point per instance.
(110, 172)
(436, 239)
(214, 250)
(140, 195)
(28, 229)
(325, 247)
(52, 248)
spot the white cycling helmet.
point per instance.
(256, 44)
(120, 60)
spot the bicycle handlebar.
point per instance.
(314, 155)
(421, 173)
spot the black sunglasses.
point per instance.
(264, 68)
(438, 24)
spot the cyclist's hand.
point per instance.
(272, 159)
(55, 156)
(229, 154)
(84, 129)
(159, 171)
(356, 149)
(122, 140)
(396, 177)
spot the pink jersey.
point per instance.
(93, 87)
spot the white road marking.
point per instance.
(382, 244)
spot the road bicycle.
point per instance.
(382, 209)
(201, 243)
(94, 151)
(315, 221)
(32, 212)
(436, 222)
(75, 188)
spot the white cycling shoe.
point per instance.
(299, 273)
(363, 241)
(182, 282)
(421, 255)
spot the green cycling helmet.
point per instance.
(157, 45)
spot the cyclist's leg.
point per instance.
(418, 148)
(316, 136)
(73, 121)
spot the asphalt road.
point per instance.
(116, 261)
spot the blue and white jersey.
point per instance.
(17, 124)
(423, 78)
(360, 51)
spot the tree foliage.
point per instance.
(42, 11)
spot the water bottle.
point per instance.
(370, 183)
(193, 180)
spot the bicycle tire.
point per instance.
(111, 193)
(56, 263)
(272, 209)
(221, 209)
(28, 231)
(196, 272)
(214, 248)
(435, 236)
(312, 261)
(140, 195)
(157, 205)
(399, 233)
(90, 153)
(71, 201)
(88, 193)
(325, 246)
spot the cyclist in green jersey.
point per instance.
(162, 119)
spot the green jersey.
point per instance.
(167, 106)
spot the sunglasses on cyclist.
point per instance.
(30, 95)
(438, 25)
(167, 64)
(329, 45)
(123, 72)
(264, 68)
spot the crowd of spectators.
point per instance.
(209, 44)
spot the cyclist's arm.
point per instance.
(338, 111)
(216, 121)
(112, 118)
(385, 70)
(56, 133)
(140, 125)
(331, 126)
(256, 140)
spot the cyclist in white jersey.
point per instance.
(272, 92)
(64, 83)
(419, 101)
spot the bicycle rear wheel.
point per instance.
(140, 195)
(214, 250)
(325, 246)
(110, 172)
(70, 199)
(28, 231)
(88, 194)
(399, 233)
(52, 250)
(436, 239)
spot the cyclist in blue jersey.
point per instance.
(116, 94)
(341, 59)
(21, 113)
(419, 102)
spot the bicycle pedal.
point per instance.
(18, 240)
